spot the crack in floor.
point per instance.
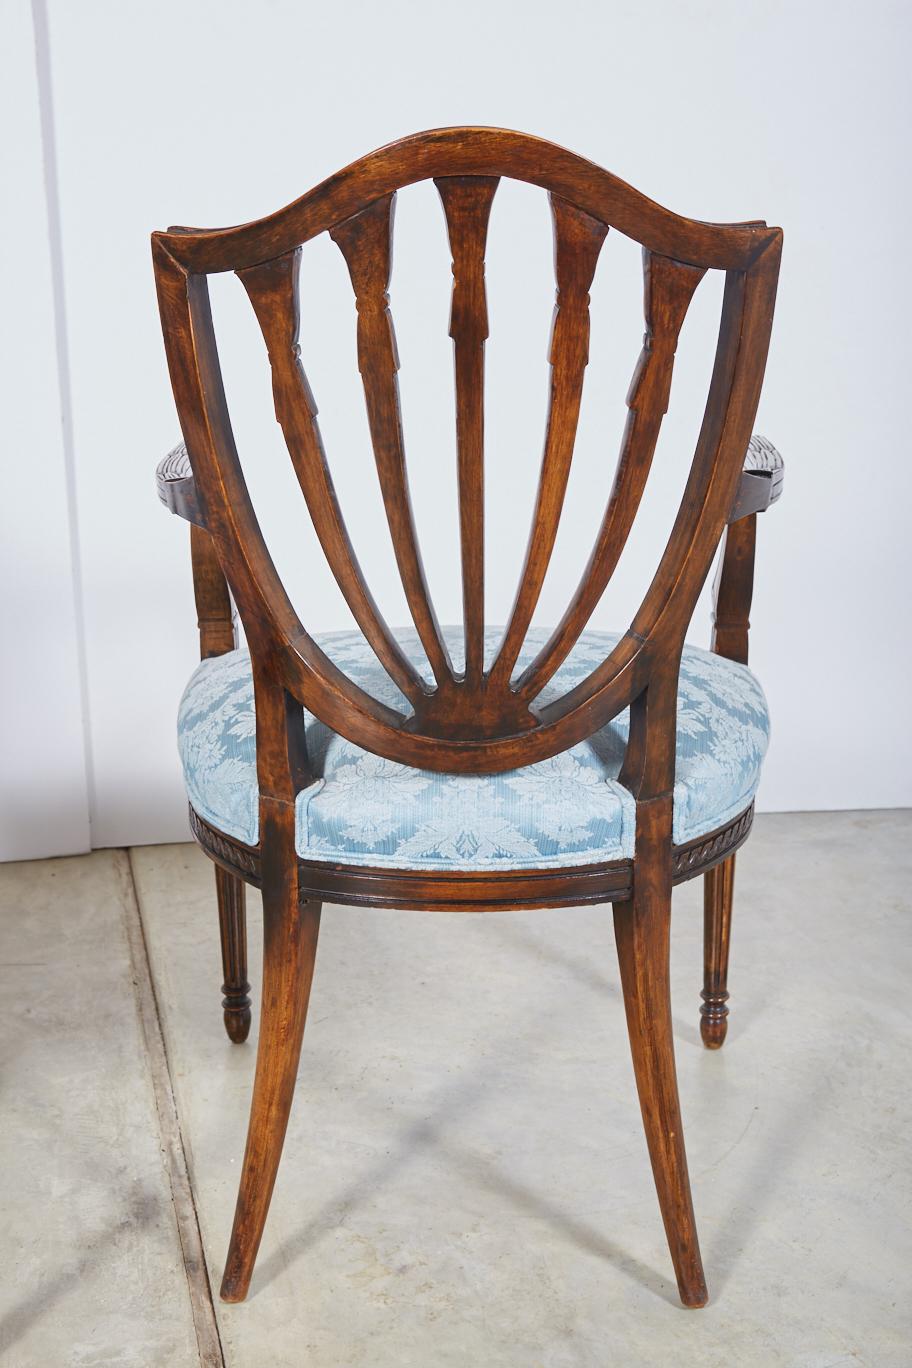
(199, 1290)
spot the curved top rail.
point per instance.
(469, 151)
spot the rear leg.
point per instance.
(289, 949)
(641, 928)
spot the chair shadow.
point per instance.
(511, 930)
(774, 1155)
(591, 977)
(144, 1210)
(583, 1235)
(433, 1133)
(777, 1152)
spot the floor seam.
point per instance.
(186, 1215)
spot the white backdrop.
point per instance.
(44, 799)
(211, 113)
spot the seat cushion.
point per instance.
(569, 810)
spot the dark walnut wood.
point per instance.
(366, 242)
(578, 240)
(233, 925)
(479, 719)
(668, 290)
(718, 891)
(467, 204)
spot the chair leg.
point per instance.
(289, 948)
(718, 889)
(230, 891)
(641, 928)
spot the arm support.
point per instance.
(177, 487)
(214, 606)
(762, 479)
(761, 485)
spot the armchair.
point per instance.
(471, 769)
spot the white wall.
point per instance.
(44, 804)
(211, 113)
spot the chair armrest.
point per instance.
(177, 487)
(214, 604)
(761, 484)
(762, 479)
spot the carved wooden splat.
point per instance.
(366, 243)
(467, 204)
(578, 240)
(668, 289)
(273, 292)
(474, 723)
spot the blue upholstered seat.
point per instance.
(569, 810)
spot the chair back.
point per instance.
(481, 717)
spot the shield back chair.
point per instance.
(561, 754)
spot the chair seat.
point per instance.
(569, 810)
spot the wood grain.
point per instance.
(578, 240)
(668, 289)
(718, 895)
(454, 729)
(366, 242)
(232, 906)
(642, 932)
(273, 291)
(477, 721)
(467, 204)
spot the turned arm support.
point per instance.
(216, 617)
(761, 485)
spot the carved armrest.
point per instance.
(214, 605)
(761, 484)
(762, 479)
(177, 487)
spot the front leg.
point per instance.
(231, 895)
(718, 888)
(731, 608)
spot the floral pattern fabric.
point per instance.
(568, 810)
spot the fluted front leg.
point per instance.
(718, 891)
(233, 930)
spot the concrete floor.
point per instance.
(465, 1178)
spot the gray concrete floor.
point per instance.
(465, 1179)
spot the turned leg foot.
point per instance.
(233, 929)
(718, 890)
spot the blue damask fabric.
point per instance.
(564, 811)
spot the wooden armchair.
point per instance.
(541, 769)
